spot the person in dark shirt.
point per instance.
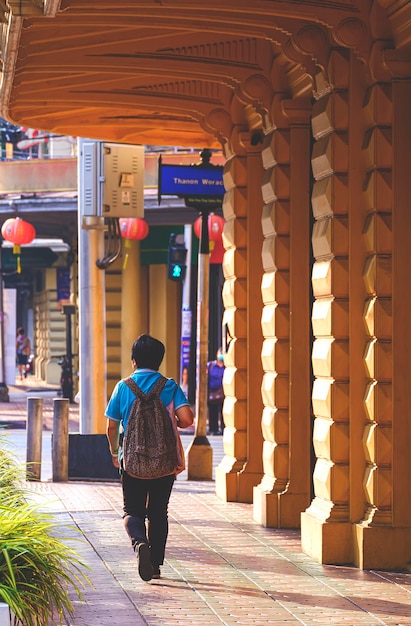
(22, 351)
(215, 372)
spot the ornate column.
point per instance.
(241, 466)
(285, 488)
(235, 318)
(384, 534)
(253, 468)
(325, 525)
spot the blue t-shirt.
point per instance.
(122, 398)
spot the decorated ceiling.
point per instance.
(172, 72)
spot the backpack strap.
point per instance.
(156, 389)
(133, 386)
(159, 386)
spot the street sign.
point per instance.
(190, 180)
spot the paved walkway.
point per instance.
(221, 567)
(13, 414)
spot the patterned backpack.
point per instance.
(149, 446)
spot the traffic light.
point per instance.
(177, 254)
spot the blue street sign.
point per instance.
(190, 180)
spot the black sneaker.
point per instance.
(145, 569)
(156, 572)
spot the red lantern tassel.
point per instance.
(127, 244)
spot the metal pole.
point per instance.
(4, 392)
(202, 328)
(69, 354)
(200, 453)
(92, 332)
(34, 438)
(188, 236)
(186, 315)
(60, 440)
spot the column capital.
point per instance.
(399, 15)
(252, 140)
(398, 63)
(26, 7)
(298, 111)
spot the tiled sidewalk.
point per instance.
(221, 568)
(13, 414)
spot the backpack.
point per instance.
(149, 445)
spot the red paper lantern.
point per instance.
(215, 227)
(18, 231)
(133, 228)
(217, 253)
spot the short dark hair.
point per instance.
(148, 352)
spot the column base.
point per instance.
(226, 476)
(379, 547)
(199, 455)
(327, 542)
(278, 510)
(233, 482)
(365, 547)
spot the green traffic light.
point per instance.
(177, 271)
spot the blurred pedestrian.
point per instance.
(215, 398)
(23, 349)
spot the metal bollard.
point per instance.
(34, 438)
(60, 440)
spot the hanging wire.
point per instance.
(113, 243)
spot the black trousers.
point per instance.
(147, 499)
(215, 412)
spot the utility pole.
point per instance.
(92, 302)
(4, 391)
(201, 186)
(186, 315)
(199, 452)
(67, 364)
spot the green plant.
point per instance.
(36, 567)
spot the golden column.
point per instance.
(384, 534)
(285, 488)
(235, 318)
(325, 526)
(253, 469)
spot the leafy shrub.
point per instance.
(36, 567)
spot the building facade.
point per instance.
(310, 103)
